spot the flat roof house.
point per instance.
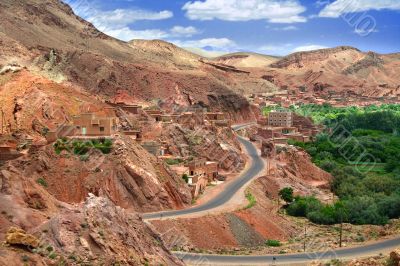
(280, 119)
(90, 124)
(200, 173)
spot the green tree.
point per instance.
(287, 194)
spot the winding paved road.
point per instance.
(290, 259)
(256, 166)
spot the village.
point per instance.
(139, 123)
(290, 97)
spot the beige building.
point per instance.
(201, 173)
(91, 125)
(280, 119)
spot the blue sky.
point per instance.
(276, 27)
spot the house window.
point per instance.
(101, 129)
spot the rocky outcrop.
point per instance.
(17, 236)
(94, 232)
(370, 60)
(395, 257)
(129, 177)
(300, 59)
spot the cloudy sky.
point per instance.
(276, 27)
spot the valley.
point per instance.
(141, 152)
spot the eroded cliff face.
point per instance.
(129, 177)
(94, 232)
(84, 211)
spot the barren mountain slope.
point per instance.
(339, 69)
(246, 60)
(47, 37)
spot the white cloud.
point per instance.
(308, 48)
(127, 34)
(287, 28)
(214, 44)
(275, 49)
(184, 31)
(340, 7)
(204, 53)
(274, 11)
(117, 23)
(122, 17)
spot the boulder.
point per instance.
(395, 256)
(17, 236)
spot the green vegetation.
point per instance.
(186, 178)
(287, 194)
(41, 181)
(82, 148)
(323, 113)
(273, 243)
(252, 200)
(362, 153)
(171, 161)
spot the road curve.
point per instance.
(256, 166)
(300, 258)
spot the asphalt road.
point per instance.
(300, 258)
(256, 166)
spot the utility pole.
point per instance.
(341, 229)
(305, 236)
(2, 121)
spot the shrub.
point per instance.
(186, 178)
(302, 206)
(287, 194)
(41, 181)
(252, 200)
(328, 166)
(273, 243)
(170, 161)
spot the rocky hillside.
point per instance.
(49, 39)
(340, 69)
(246, 60)
(95, 232)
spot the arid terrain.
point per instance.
(63, 208)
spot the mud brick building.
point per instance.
(155, 148)
(280, 119)
(201, 173)
(8, 153)
(92, 125)
(155, 114)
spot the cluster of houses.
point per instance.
(108, 125)
(282, 125)
(94, 125)
(287, 98)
